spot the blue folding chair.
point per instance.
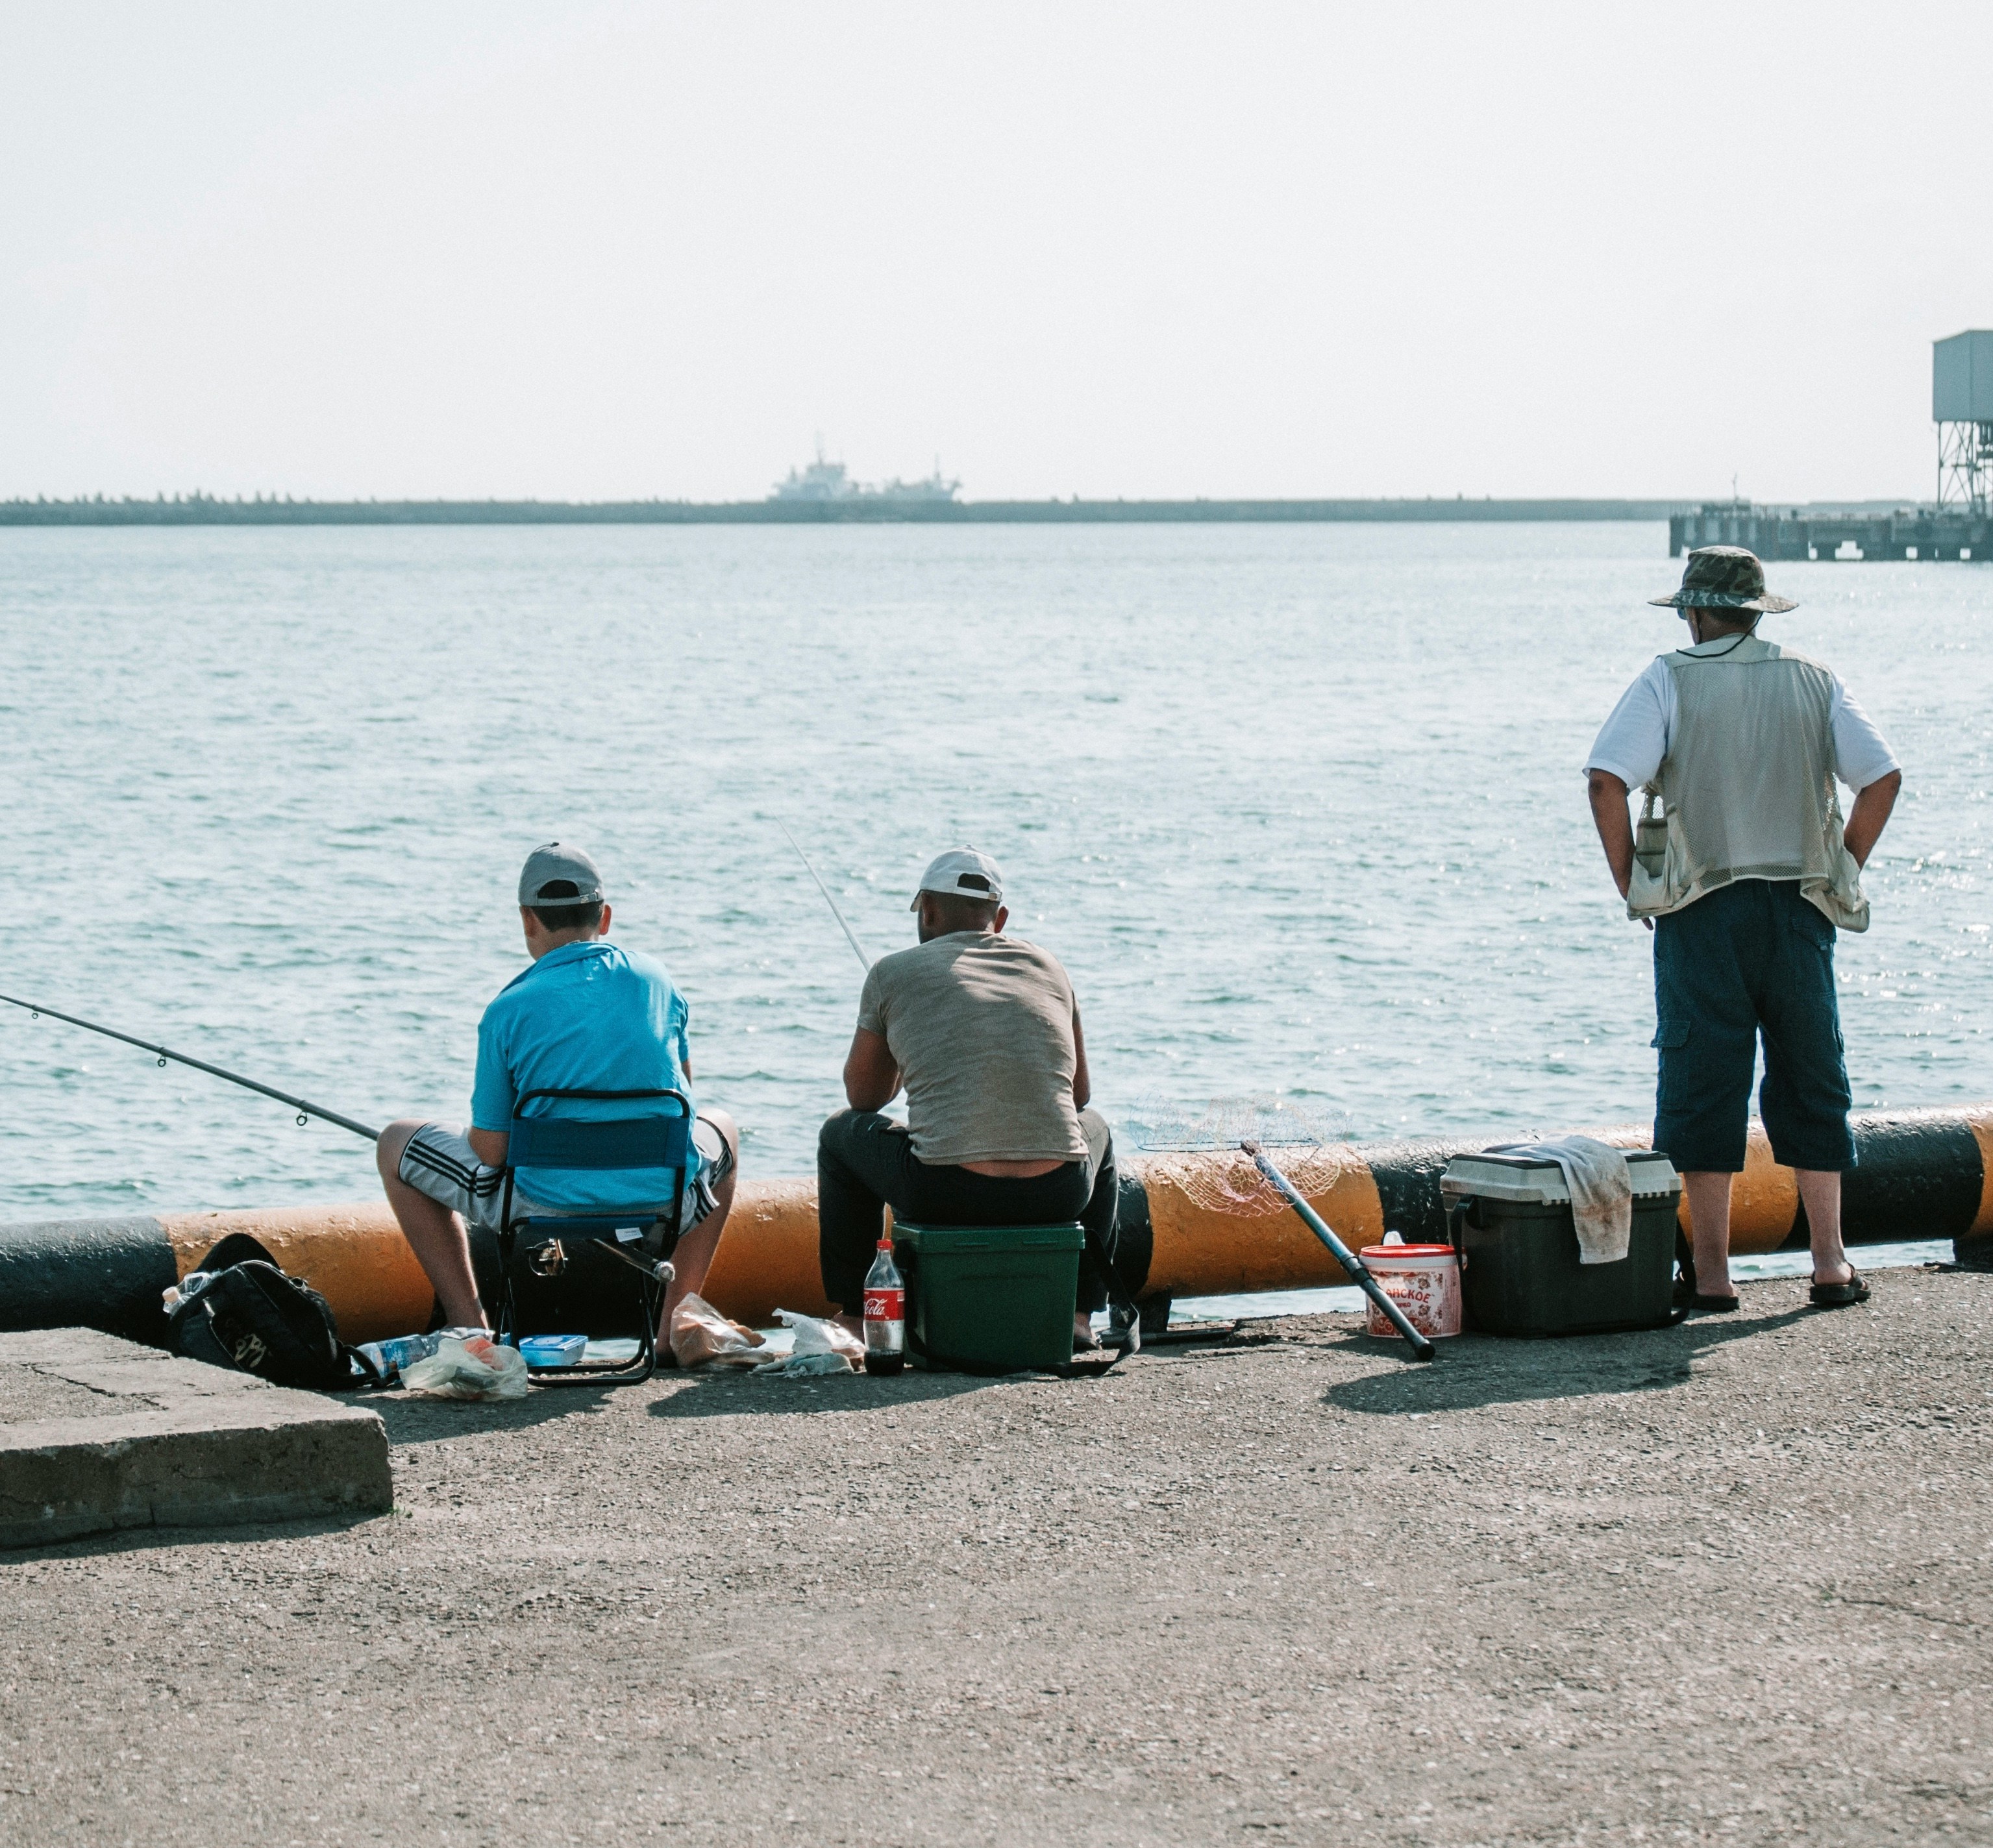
(641, 1236)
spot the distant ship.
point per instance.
(823, 480)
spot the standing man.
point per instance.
(1742, 742)
(585, 1015)
(983, 1031)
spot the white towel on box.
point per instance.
(1601, 1192)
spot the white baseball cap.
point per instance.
(961, 873)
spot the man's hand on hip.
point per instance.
(1870, 815)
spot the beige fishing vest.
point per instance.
(1747, 786)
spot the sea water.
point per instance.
(1299, 807)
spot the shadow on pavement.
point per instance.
(1486, 1370)
(706, 1395)
(411, 1419)
(219, 1533)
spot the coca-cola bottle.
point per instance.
(885, 1314)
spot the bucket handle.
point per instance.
(1455, 1215)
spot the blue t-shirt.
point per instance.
(587, 1016)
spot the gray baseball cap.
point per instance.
(963, 872)
(553, 864)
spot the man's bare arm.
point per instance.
(1870, 815)
(1615, 825)
(488, 1145)
(871, 1074)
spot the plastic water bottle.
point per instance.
(885, 1314)
(188, 1287)
(394, 1355)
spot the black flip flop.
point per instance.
(1841, 1295)
(1712, 1306)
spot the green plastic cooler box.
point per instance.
(1511, 1218)
(989, 1299)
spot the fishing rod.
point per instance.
(850, 935)
(1354, 1268)
(303, 1108)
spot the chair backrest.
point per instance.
(659, 1140)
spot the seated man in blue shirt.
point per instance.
(586, 1015)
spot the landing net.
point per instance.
(1196, 1149)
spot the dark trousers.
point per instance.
(865, 1162)
(1752, 959)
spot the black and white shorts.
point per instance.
(440, 1161)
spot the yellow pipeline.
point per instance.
(1922, 1175)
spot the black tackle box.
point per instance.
(1510, 1216)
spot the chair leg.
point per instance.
(505, 1330)
(652, 1279)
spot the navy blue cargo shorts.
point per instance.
(1754, 958)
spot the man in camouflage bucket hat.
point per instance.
(1744, 883)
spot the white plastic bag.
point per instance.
(701, 1337)
(820, 1347)
(472, 1367)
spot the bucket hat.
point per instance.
(1725, 577)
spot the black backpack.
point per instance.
(252, 1317)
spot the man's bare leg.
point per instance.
(435, 1234)
(1709, 1224)
(1819, 1194)
(694, 1256)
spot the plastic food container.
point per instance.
(553, 1350)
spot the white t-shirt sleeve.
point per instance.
(1632, 742)
(1861, 753)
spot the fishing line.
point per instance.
(850, 935)
(301, 1105)
(1310, 1132)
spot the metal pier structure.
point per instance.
(1958, 525)
(1846, 534)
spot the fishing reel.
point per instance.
(547, 1260)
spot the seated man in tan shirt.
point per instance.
(983, 1031)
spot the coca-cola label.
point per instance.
(885, 1306)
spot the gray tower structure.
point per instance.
(1962, 404)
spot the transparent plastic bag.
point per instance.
(702, 1337)
(820, 1347)
(803, 1366)
(472, 1367)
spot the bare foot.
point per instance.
(1083, 1337)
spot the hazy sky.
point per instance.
(611, 250)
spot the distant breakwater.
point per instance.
(204, 509)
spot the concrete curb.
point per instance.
(98, 1434)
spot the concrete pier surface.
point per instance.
(1728, 1582)
(98, 1434)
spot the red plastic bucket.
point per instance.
(1423, 1280)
